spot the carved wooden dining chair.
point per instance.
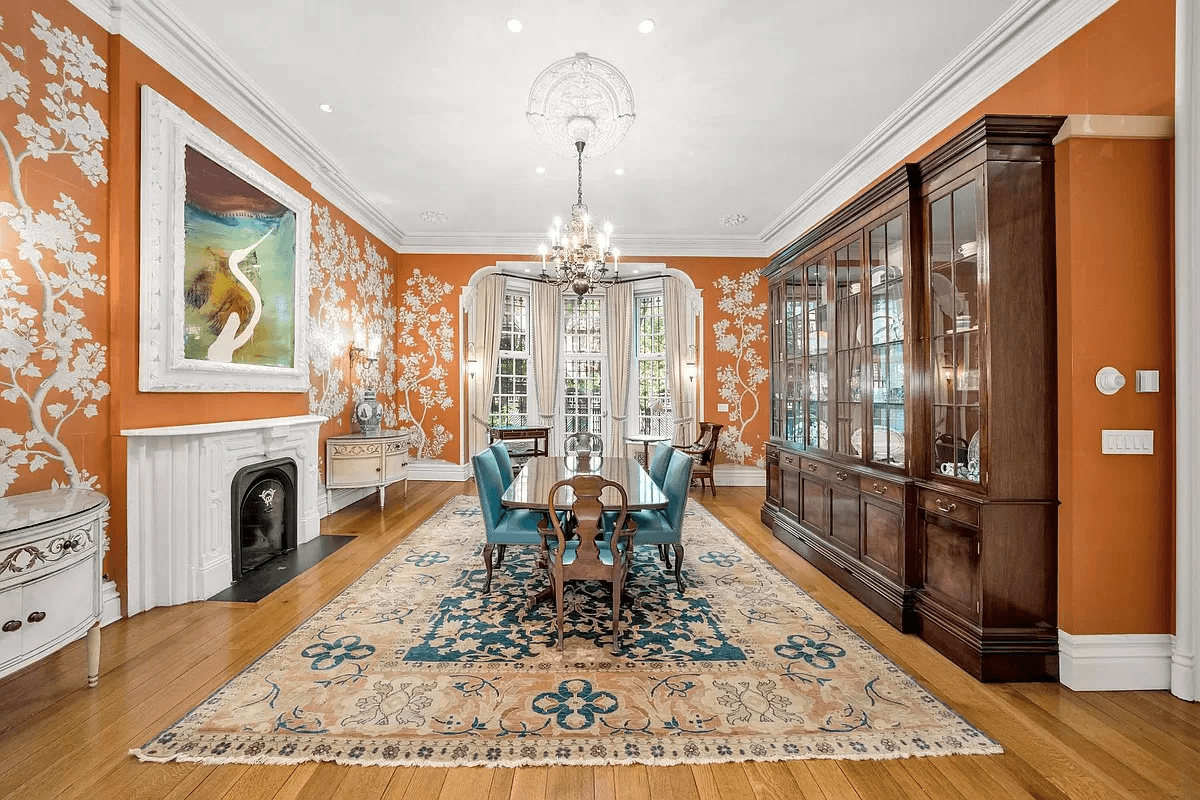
(583, 441)
(703, 452)
(575, 546)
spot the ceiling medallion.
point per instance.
(580, 87)
(436, 217)
(730, 220)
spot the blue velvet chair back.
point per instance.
(675, 487)
(659, 463)
(490, 487)
(503, 463)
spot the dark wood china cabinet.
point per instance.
(912, 454)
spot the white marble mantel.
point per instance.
(179, 501)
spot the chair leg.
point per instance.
(487, 558)
(712, 484)
(678, 548)
(500, 551)
(666, 555)
(558, 605)
(616, 621)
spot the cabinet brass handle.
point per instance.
(37, 616)
(943, 507)
(841, 476)
(379, 469)
(12, 625)
(879, 489)
(812, 467)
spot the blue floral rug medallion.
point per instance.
(412, 664)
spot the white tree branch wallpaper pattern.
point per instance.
(338, 260)
(738, 334)
(50, 367)
(425, 330)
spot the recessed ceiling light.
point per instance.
(635, 272)
(514, 25)
(540, 170)
(619, 170)
(527, 270)
(645, 26)
(328, 109)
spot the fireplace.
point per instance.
(263, 508)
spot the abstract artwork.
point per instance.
(225, 249)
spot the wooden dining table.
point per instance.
(531, 487)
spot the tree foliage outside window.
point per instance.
(584, 406)
(653, 400)
(510, 395)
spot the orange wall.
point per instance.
(83, 440)
(1116, 562)
(1115, 305)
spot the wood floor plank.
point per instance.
(570, 783)
(158, 665)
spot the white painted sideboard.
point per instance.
(51, 548)
(361, 459)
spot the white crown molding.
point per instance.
(1114, 662)
(163, 33)
(1025, 33)
(630, 245)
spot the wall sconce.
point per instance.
(472, 361)
(689, 367)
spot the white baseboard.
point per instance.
(430, 469)
(110, 603)
(739, 475)
(341, 498)
(1114, 662)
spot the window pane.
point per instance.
(510, 397)
(583, 398)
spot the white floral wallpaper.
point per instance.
(51, 370)
(342, 268)
(739, 333)
(426, 332)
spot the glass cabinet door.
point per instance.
(816, 327)
(954, 278)
(778, 375)
(850, 335)
(886, 378)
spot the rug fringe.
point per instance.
(274, 760)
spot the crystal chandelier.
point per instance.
(578, 255)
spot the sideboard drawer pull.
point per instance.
(812, 467)
(12, 625)
(943, 507)
(37, 616)
(879, 488)
(841, 476)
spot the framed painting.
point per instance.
(224, 264)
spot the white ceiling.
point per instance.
(741, 106)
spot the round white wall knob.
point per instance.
(1109, 380)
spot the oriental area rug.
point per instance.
(414, 665)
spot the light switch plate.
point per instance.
(1146, 380)
(1127, 443)
(723, 407)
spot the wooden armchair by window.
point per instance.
(588, 556)
(704, 452)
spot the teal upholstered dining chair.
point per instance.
(503, 463)
(660, 462)
(503, 526)
(665, 527)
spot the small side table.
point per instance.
(360, 459)
(645, 440)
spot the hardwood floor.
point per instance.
(59, 739)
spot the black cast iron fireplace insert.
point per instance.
(264, 514)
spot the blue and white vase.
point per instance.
(368, 413)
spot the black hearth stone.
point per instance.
(266, 578)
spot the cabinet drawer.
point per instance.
(395, 467)
(844, 479)
(57, 603)
(359, 471)
(817, 469)
(953, 507)
(25, 561)
(883, 489)
(791, 460)
(355, 449)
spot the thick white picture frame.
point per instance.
(162, 367)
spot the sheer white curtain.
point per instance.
(545, 308)
(486, 316)
(680, 325)
(619, 299)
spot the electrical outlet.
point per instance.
(723, 407)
